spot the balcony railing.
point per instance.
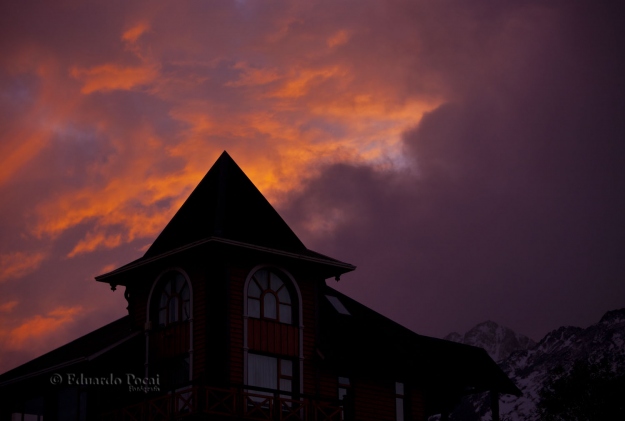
(236, 403)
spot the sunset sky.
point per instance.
(467, 156)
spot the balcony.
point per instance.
(236, 403)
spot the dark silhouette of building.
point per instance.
(230, 317)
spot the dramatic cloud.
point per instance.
(513, 209)
(8, 306)
(18, 264)
(465, 155)
(35, 329)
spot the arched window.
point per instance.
(174, 301)
(170, 341)
(269, 297)
(273, 309)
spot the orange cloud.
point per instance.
(123, 207)
(109, 77)
(251, 76)
(275, 142)
(8, 306)
(274, 153)
(47, 107)
(300, 82)
(17, 153)
(107, 268)
(279, 147)
(39, 328)
(94, 241)
(132, 34)
(119, 205)
(340, 38)
(19, 264)
(281, 116)
(26, 135)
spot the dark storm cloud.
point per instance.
(515, 210)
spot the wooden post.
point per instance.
(494, 405)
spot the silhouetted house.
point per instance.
(230, 317)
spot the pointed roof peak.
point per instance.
(224, 156)
(226, 204)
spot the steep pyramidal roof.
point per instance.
(226, 204)
(226, 208)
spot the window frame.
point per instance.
(166, 283)
(400, 402)
(153, 326)
(266, 289)
(297, 384)
(280, 373)
(344, 390)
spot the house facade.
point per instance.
(230, 318)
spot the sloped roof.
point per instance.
(228, 205)
(226, 208)
(85, 348)
(365, 339)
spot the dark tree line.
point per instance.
(589, 392)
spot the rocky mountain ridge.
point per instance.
(498, 341)
(532, 367)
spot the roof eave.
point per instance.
(340, 267)
(64, 364)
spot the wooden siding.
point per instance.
(237, 280)
(170, 341)
(272, 337)
(417, 409)
(307, 290)
(328, 383)
(138, 303)
(139, 312)
(374, 400)
(198, 284)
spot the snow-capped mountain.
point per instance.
(554, 357)
(498, 341)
